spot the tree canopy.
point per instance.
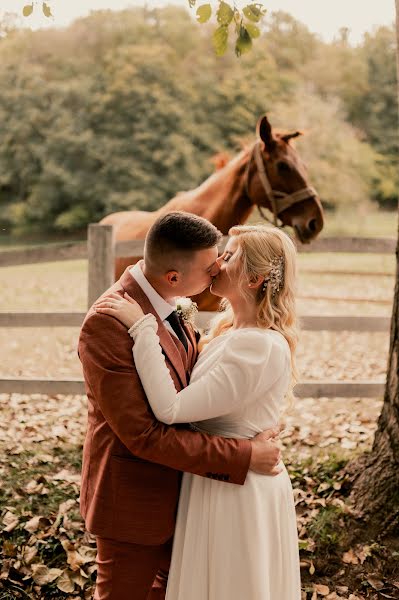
(121, 110)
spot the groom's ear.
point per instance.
(173, 278)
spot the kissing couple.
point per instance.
(183, 483)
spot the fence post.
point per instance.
(101, 257)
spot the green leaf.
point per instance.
(253, 30)
(46, 10)
(219, 39)
(224, 13)
(254, 12)
(204, 13)
(27, 10)
(244, 42)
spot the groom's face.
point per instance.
(199, 272)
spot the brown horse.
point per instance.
(268, 174)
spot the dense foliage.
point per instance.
(123, 109)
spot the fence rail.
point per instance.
(42, 254)
(308, 322)
(79, 250)
(306, 389)
(101, 250)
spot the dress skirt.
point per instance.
(235, 542)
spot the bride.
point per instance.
(232, 542)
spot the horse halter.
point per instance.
(279, 201)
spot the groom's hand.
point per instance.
(266, 454)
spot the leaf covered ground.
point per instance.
(45, 552)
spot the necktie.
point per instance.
(174, 322)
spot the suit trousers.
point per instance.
(131, 571)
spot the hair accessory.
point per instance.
(276, 275)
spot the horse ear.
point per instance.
(288, 136)
(264, 131)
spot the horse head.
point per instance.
(277, 179)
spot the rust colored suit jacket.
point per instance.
(132, 462)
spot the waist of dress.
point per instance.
(228, 433)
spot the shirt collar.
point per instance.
(161, 306)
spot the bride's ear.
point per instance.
(256, 281)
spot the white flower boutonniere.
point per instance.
(187, 309)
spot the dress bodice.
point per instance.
(237, 386)
(261, 407)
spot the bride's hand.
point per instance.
(124, 308)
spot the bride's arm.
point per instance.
(225, 387)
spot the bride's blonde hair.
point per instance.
(258, 246)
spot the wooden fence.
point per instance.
(101, 250)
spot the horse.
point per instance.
(267, 174)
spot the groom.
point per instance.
(132, 463)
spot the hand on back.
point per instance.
(266, 453)
(123, 308)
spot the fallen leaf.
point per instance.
(36, 523)
(9, 549)
(10, 521)
(342, 589)
(350, 558)
(42, 575)
(28, 554)
(376, 583)
(363, 552)
(321, 589)
(65, 583)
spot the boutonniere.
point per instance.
(186, 309)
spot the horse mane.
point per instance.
(221, 159)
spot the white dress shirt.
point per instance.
(162, 307)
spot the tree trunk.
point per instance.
(376, 474)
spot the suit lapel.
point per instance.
(171, 351)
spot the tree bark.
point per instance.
(376, 474)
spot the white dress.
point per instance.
(231, 542)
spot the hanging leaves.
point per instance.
(27, 10)
(219, 39)
(253, 30)
(46, 10)
(244, 41)
(254, 12)
(224, 13)
(204, 13)
(227, 13)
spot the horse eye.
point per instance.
(283, 167)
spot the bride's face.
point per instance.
(227, 283)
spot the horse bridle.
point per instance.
(279, 201)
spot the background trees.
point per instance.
(122, 110)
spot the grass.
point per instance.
(361, 223)
(326, 528)
(27, 467)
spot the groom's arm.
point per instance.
(112, 381)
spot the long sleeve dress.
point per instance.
(231, 542)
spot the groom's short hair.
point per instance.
(178, 234)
